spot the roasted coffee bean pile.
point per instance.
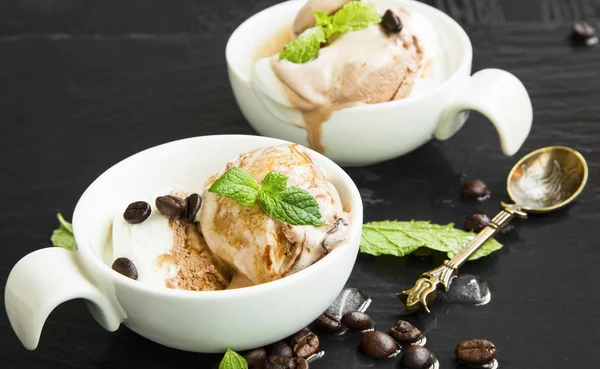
(289, 354)
(169, 205)
(403, 338)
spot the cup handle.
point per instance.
(41, 281)
(500, 97)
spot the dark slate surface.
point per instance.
(84, 84)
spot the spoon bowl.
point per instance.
(547, 179)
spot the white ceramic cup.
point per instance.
(368, 134)
(207, 321)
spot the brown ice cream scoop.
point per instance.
(306, 18)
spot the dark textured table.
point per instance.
(84, 84)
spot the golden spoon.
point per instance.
(542, 181)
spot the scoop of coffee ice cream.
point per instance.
(262, 248)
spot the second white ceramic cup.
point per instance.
(368, 134)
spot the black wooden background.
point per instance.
(84, 84)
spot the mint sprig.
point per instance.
(63, 235)
(402, 238)
(233, 360)
(304, 47)
(238, 185)
(289, 204)
(353, 16)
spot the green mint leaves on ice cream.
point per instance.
(353, 16)
(291, 205)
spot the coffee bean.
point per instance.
(300, 363)
(328, 323)
(305, 344)
(476, 352)
(391, 22)
(137, 212)
(416, 357)
(404, 332)
(282, 349)
(125, 267)
(582, 31)
(356, 321)
(378, 344)
(256, 358)
(170, 205)
(475, 189)
(279, 362)
(193, 203)
(477, 222)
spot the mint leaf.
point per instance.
(291, 205)
(355, 15)
(402, 238)
(323, 20)
(233, 360)
(237, 185)
(63, 235)
(305, 47)
(274, 182)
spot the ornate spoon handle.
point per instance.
(425, 288)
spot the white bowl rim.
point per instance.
(287, 282)
(429, 10)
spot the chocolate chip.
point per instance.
(391, 22)
(328, 323)
(125, 267)
(137, 212)
(477, 222)
(404, 332)
(279, 362)
(416, 357)
(356, 321)
(300, 363)
(256, 358)
(476, 352)
(282, 349)
(170, 205)
(305, 344)
(193, 203)
(475, 189)
(378, 345)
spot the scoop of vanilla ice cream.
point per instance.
(168, 252)
(143, 244)
(261, 248)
